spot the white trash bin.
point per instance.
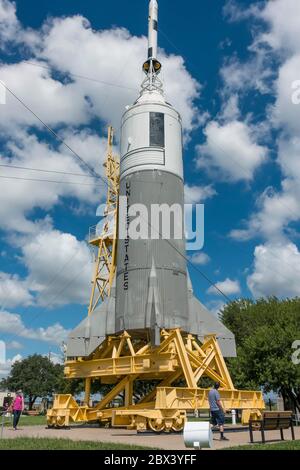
(198, 435)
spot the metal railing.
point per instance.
(104, 229)
(93, 232)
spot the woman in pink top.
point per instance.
(17, 407)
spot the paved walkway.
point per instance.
(162, 441)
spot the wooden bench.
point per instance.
(271, 421)
(32, 413)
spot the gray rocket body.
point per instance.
(152, 288)
(151, 273)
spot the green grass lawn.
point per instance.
(287, 445)
(27, 421)
(29, 443)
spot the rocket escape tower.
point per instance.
(144, 323)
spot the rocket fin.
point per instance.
(92, 331)
(153, 311)
(203, 323)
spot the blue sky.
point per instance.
(228, 67)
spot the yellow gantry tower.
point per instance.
(105, 239)
(174, 368)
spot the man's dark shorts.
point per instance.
(217, 418)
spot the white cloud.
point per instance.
(231, 150)
(8, 20)
(14, 291)
(200, 258)
(55, 358)
(11, 30)
(215, 306)
(12, 323)
(59, 271)
(289, 157)
(285, 113)
(194, 194)
(234, 12)
(59, 268)
(280, 32)
(14, 345)
(54, 102)
(272, 67)
(283, 18)
(276, 270)
(275, 211)
(19, 197)
(230, 108)
(108, 57)
(5, 367)
(254, 74)
(228, 287)
(103, 54)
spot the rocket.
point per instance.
(153, 29)
(152, 289)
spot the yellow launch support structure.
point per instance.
(176, 366)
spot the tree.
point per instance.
(68, 386)
(37, 377)
(265, 331)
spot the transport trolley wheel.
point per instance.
(156, 425)
(178, 424)
(60, 421)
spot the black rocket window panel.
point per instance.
(157, 130)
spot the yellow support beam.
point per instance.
(87, 390)
(125, 365)
(128, 399)
(172, 398)
(184, 360)
(165, 383)
(114, 392)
